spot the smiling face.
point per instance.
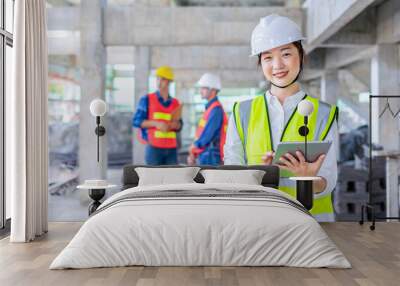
(281, 65)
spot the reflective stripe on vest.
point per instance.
(168, 134)
(203, 122)
(162, 116)
(158, 112)
(253, 127)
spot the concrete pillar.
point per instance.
(392, 189)
(188, 117)
(312, 87)
(330, 90)
(142, 73)
(385, 129)
(385, 81)
(179, 90)
(330, 87)
(180, 95)
(93, 61)
(293, 3)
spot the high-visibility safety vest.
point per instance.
(254, 129)
(158, 112)
(203, 122)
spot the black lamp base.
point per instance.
(96, 195)
(304, 193)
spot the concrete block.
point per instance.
(388, 21)
(63, 18)
(185, 26)
(233, 33)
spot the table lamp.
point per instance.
(304, 185)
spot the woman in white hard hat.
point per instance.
(258, 125)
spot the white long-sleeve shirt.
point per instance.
(279, 115)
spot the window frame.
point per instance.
(6, 39)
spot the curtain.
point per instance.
(26, 117)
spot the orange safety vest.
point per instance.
(158, 112)
(203, 122)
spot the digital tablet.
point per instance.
(314, 149)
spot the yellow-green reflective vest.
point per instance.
(254, 129)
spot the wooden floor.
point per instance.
(375, 257)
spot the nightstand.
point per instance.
(96, 193)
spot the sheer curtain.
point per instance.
(26, 117)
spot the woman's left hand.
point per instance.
(298, 166)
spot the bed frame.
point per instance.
(130, 178)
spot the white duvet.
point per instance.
(200, 231)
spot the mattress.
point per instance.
(201, 225)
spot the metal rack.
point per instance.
(370, 206)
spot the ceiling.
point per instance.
(213, 3)
(220, 3)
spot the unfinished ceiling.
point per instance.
(213, 3)
(230, 2)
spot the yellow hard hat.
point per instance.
(165, 72)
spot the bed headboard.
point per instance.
(130, 178)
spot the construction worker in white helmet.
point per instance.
(210, 136)
(158, 116)
(258, 125)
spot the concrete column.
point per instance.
(93, 61)
(180, 95)
(385, 81)
(293, 3)
(312, 88)
(392, 183)
(179, 91)
(330, 87)
(186, 98)
(142, 73)
(385, 128)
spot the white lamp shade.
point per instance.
(98, 107)
(305, 107)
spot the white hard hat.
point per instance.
(274, 31)
(210, 80)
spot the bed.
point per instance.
(198, 224)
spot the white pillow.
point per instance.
(166, 176)
(248, 177)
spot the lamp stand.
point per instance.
(100, 131)
(304, 186)
(303, 131)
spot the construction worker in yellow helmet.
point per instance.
(258, 125)
(158, 116)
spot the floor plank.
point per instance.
(375, 257)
